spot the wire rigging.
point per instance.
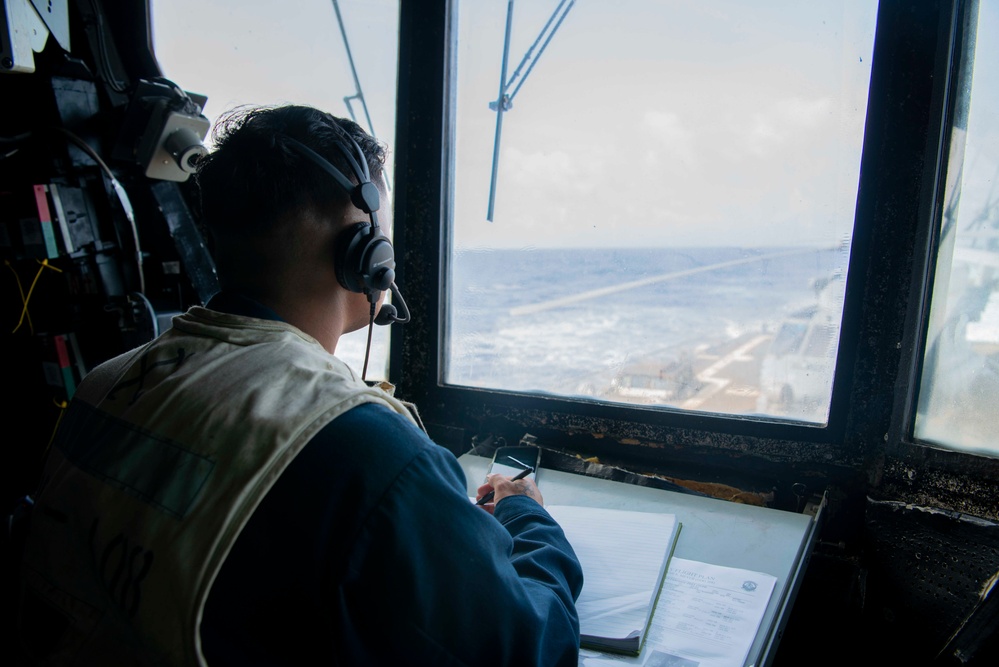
(528, 56)
(358, 93)
(504, 100)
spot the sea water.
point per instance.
(641, 305)
(570, 321)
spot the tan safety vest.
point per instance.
(163, 456)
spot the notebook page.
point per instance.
(622, 554)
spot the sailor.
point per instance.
(234, 493)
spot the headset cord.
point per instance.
(367, 348)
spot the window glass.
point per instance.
(271, 52)
(960, 381)
(657, 206)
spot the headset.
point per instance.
(364, 259)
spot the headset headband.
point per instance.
(364, 195)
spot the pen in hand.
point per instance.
(489, 496)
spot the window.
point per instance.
(656, 205)
(960, 379)
(339, 56)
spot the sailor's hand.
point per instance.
(503, 486)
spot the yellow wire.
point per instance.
(24, 311)
(62, 410)
(20, 290)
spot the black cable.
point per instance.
(154, 322)
(103, 55)
(371, 327)
(16, 139)
(182, 101)
(123, 199)
(14, 143)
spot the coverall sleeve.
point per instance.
(447, 583)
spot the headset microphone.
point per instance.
(389, 314)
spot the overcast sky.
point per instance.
(281, 51)
(667, 123)
(644, 123)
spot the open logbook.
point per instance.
(624, 555)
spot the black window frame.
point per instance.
(868, 437)
(913, 459)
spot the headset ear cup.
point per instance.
(348, 256)
(364, 262)
(378, 263)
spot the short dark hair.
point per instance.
(253, 179)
